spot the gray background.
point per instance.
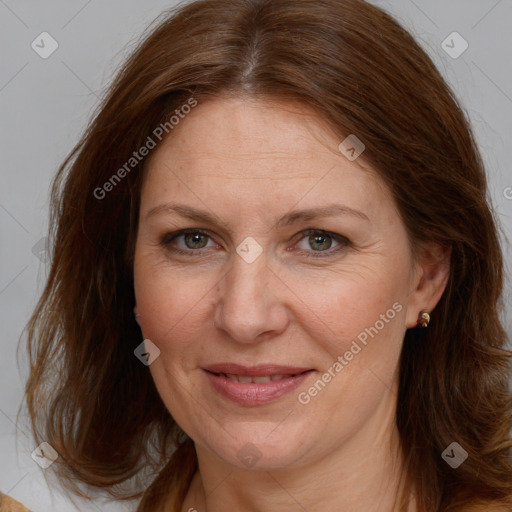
(45, 104)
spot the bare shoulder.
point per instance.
(7, 504)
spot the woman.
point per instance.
(285, 202)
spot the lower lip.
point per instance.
(255, 393)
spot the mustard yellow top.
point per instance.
(7, 504)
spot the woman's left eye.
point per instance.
(323, 241)
(196, 240)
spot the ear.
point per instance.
(430, 277)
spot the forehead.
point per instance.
(257, 153)
(249, 129)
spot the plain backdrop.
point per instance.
(46, 102)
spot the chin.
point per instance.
(260, 448)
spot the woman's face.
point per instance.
(296, 263)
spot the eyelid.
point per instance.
(169, 237)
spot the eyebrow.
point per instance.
(289, 219)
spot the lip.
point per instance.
(255, 371)
(255, 393)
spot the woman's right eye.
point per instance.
(193, 241)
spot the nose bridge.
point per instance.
(246, 278)
(247, 304)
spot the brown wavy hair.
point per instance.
(97, 405)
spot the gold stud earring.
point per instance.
(424, 319)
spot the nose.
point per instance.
(250, 306)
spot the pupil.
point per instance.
(195, 240)
(319, 238)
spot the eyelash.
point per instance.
(343, 241)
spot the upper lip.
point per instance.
(255, 371)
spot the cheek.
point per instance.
(161, 302)
(174, 306)
(361, 311)
(352, 298)
(359, 338)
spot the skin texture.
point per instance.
(249, 162)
